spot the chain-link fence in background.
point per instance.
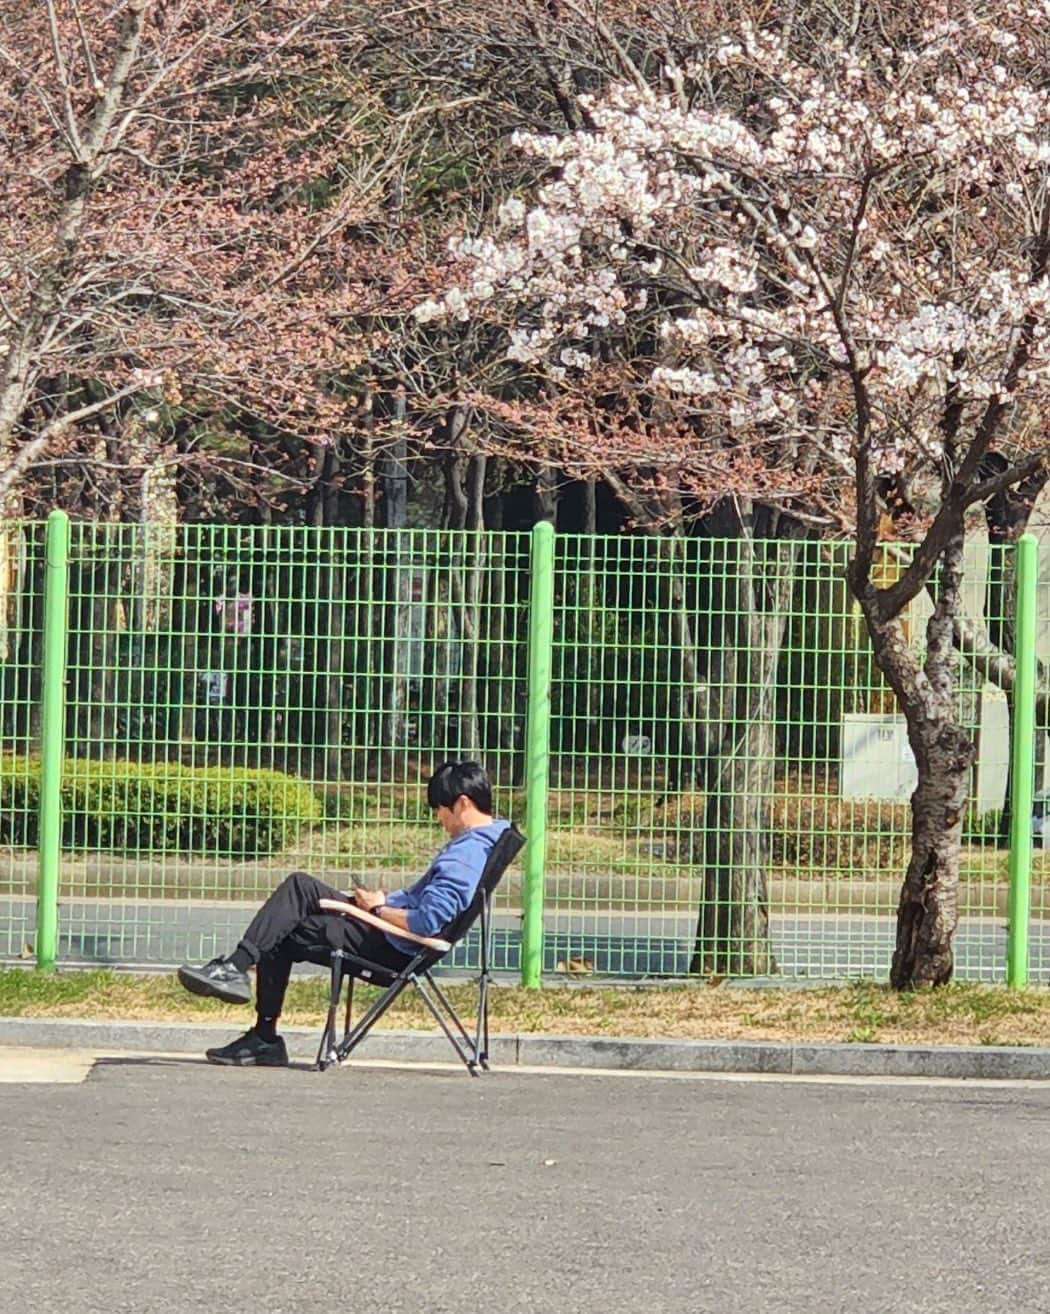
(728, 777)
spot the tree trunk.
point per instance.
(464, 502)
(367, 635)
(393, 470)
(725, 725)
(398, 571)
(455, 466)
(928, 909)
(465, 591)
(944, 755)
(435, 694)
(269, 659)
(95, 591)
(368, 460)
(732, 932)
(499, 623)
(23, 696)
(545, 495)
(591, 609)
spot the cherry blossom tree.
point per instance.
(836, 252)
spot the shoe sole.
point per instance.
(281, 1062)
(200, 985)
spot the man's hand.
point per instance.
(369, 900)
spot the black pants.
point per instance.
(291, 928)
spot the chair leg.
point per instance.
(349, 1005)
(453, 1016)
(326, 1049)
(373, 1014)
(481, 1042)
(481, 1032)
(467, 1054)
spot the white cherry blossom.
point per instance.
(872, 214)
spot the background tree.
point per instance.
(175, 239)
(176, 265)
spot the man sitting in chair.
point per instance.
(290, 927)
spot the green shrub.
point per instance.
(164, 808)
(19, 800)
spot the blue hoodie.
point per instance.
(448, 885)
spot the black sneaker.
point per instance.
(250, 1051)
(218, 979)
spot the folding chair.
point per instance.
(472, 1050)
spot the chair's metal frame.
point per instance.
(473, 1051)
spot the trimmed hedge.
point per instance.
(131, 807)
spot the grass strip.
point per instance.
(862, 1013)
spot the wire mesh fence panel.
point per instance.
(622, 883)
(22, 562)
(732, 773)
(245, 702)
(667, 760)
(849, 772)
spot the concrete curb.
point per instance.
(987, 1062)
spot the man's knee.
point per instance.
(300, 880)
(308, 889)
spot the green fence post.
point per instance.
(537, 749)
(1022, 765)
(52, 736)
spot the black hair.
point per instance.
(453, 779)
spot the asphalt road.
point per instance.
(168, 1187)
(164, 933)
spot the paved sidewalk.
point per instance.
(28, 1067)
(988, 1062)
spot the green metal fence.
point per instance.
(731, 787)
(712, 774)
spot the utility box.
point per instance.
(993, 750)
(877, 760)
